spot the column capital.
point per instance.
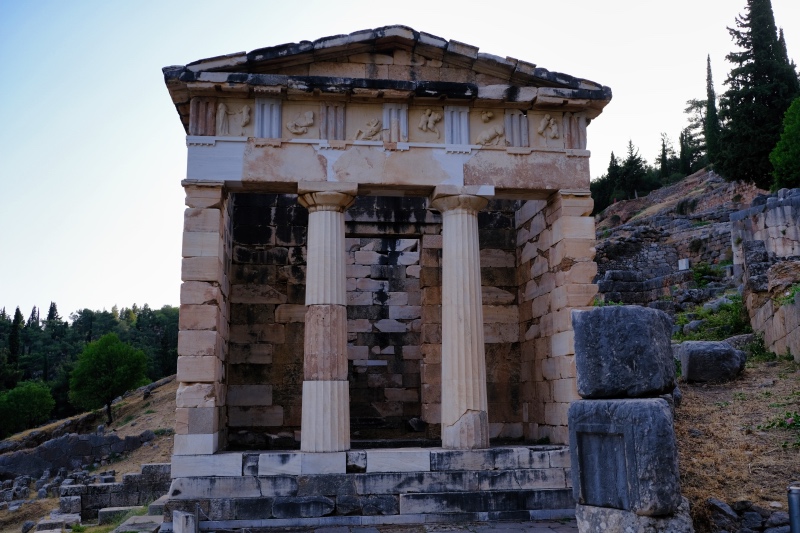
(460, 202)
(326, 201)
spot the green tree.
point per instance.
(761, 86)
(14, 345)
(25, 406)
(711, 124)
(786, 155)
(105, 370)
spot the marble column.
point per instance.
(325, 424)
(465, 422)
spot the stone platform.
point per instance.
(238, 490)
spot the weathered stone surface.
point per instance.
(709, 360)
(595, 519)
(624, 455)
(302, 507)
(623, 352)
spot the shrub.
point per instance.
(25, 406)
(729, 320)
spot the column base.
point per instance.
(326, 416)
(470, 432)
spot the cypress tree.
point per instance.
(711, 126)
(761, 86)
(14, 338)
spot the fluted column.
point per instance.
(325, 425)
(465, 422)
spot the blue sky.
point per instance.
(92, 152)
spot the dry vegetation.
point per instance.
(725, 452)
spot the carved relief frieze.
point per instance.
(301, 123)
(548, 130)
(371, 131)
(488, 126)
(234, 118)
(300, 120)
(426, 124)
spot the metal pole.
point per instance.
(794, 507)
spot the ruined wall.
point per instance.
(555, 250)
(394, 318)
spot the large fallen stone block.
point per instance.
(624, 455)
(593, 519)
(623, 352)
(709, 360)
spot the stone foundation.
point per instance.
(361, 487)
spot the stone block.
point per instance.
(202, 220)
(302, 507)
(623, 352)
(249, 395)
(201, 269)
(276, 464)
(398, 460)
(203, 196)
(200, 395)
(562, 344)
(591, 519)
(624, 455)
(201, 244)
(398, 482)
(573, 295)
(286, 313)
(195, 444)
(709, 360)
(529, 479)
(205, 369)
(183, 522)
(567, 227)
(110, 514)
(199, 293)
(223, 464)
(324, 463)
(198, 343)
(264, 416)
(196, 420)
(199, 317)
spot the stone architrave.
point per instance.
(465, 421)
(635, 361)
(325, 424)
(624, 455)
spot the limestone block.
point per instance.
(198, 293)
(203, 369)
(225, 484)
(556, 414)
(323, 463)
(196, 420)
(573, 295)
(576, 250)
(500, 333)
(286, 313)
(302, 506)
(201, 244)
(203, 196)
(201, 269)
(624, 455)
(432, 413)
(183, 522)
(500, 314)
(398, 460)
(576, 206)
(262, 416)
(198, 343)
(277, 464)
(539, 479)
(581, 273)
(405, 312)
(591, 519)
(391, 326)
(221, 464)
(709, 360)
(201, 220)
(562, 344)
(246, 334)
(249, 395)
(200, 395)
(256, 294)
(196, 444)
(325, 355)
(199, 317)
(623, 352)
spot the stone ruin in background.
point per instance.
(385, 235)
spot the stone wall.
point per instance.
(394, 318)
(555, 250)
(135, 489)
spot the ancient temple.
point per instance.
(385, 233)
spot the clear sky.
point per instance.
(92, 152)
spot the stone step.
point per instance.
(157, 507)
(107, 515)
(490, 501)
(49, 524)
(140, 524)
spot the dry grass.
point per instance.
(732, 459)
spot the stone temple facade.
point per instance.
(380, 227)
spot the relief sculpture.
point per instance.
(428, 120)
(371, 131)
(548, 128)
(491, 136)
(301, 123)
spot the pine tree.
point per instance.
(786, 155)
(761, 86)
(711, 125)
(52, 313)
